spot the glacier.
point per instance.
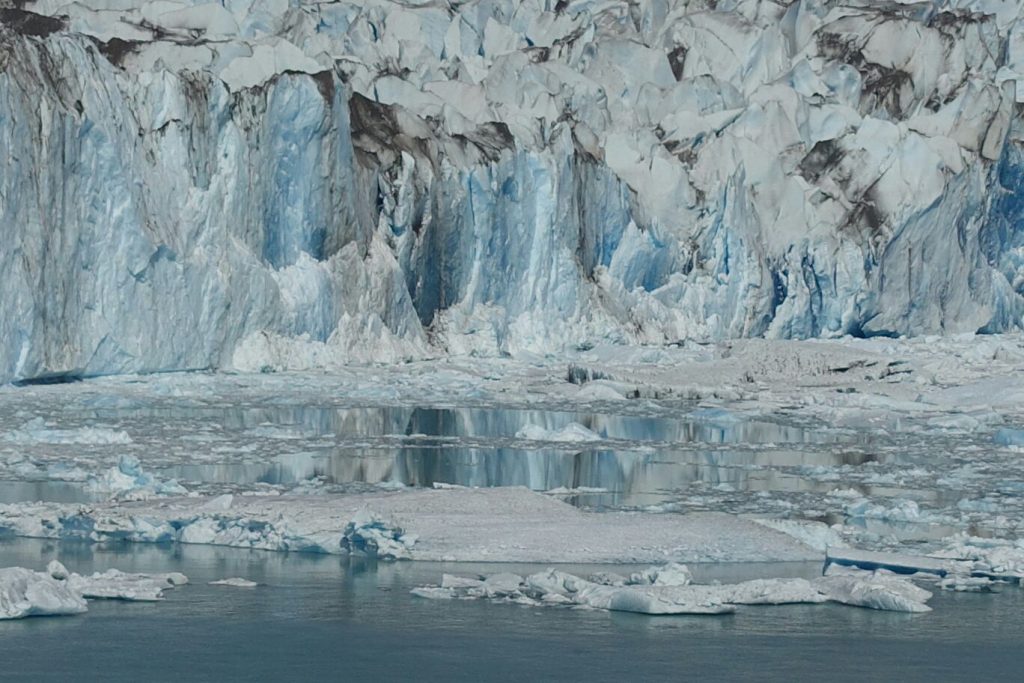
(284, 184)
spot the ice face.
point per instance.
(262, 185)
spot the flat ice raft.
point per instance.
(646, 593)
(469, 525)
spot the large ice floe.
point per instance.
(448, 524)
(27, 593)
(267, 184)
(668, 590)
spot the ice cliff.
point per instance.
(283, 183)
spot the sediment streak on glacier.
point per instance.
(265, 183)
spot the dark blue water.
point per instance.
(334, 619)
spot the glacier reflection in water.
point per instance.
(633, 460)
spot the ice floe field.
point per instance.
(891, 466)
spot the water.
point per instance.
(637, 460)
(335, 619)
(646, 457)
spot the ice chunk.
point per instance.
(372, 535)
(677, 595)
(990, 558)
(1009, 437)
(114, 584)
(672, 574)
(26, 593)
(236, 582)
(573, 431)
(901, 510)
(875, 592)
(893, 562)
(129, 481)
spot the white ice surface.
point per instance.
(555, 587)
(235, 582)
(27, 593)
(460, 524)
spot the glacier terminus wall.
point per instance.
(259, 184)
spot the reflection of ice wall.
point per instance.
(279, 183)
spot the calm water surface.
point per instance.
(334, 619)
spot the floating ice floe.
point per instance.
(114, 584)
(669, 590)
(235, 582)
(26, 593)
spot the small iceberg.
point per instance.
(235, 582)
(55, 592)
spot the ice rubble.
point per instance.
(267, 184)
(679, 595)
(26, 593)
